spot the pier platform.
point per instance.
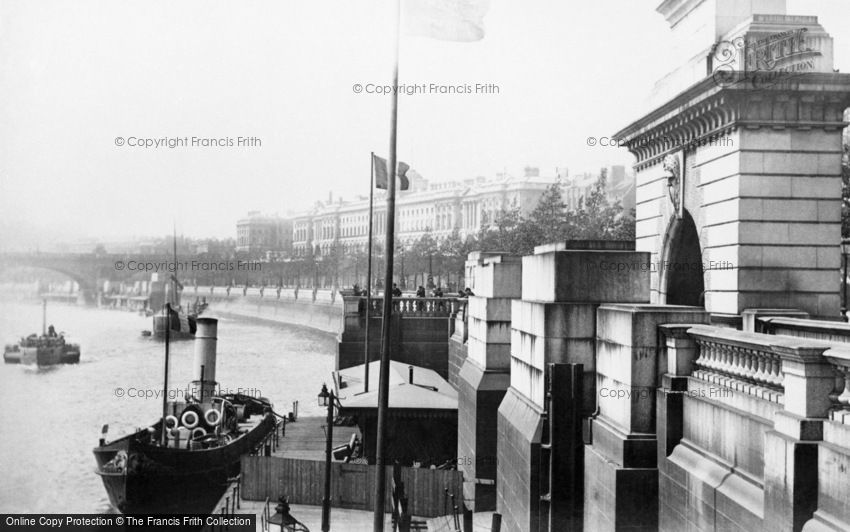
(305, 438)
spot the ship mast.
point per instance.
(164, 426)
(174, 282)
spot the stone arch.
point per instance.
(84, 283)
(681, 280)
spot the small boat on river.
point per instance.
(48, 349)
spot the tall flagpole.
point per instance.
(384, 382)
(369, 272)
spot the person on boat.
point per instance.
(51, 331)
(469, 292)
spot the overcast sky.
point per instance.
(76, 75)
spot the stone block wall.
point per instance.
(554, 322)
(484, 376)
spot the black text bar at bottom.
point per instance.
(122, 523)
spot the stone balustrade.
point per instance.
(816, 373)
(785, 403)
(741, 361)
(840, 396)
(420, 307)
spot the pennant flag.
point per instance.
(381, 171)
(445, 20)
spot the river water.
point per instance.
(51, 418)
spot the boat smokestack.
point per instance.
(206, 337)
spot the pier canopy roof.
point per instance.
(427, 395)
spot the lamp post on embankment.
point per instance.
(326, 398)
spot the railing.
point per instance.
(271, 442)
(437, 307)
(229, 504)
(740, 361)
(762, 364)
(327, 296)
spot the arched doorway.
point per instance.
(682, 269)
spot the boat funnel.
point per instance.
(206, 337)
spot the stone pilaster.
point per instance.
(555, 321)
(484, 376)
(791, 449)
(621, 474)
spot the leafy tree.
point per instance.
(548, 222)
(454, 250)
(423, 255)
(503, 234)
(598, 219)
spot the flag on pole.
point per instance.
(382, 171)
(179, 322)
(445, 20)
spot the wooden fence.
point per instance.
(352, 485)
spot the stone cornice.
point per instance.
(713, 108)
(675, 10)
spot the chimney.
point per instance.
(205, 347)
(532, 171)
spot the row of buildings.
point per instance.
(439, 208)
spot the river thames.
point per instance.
(52, 417)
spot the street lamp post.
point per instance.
(326, 398)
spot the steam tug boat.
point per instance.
(182, 322)
(46, 350)
(42, 350)
(186, 468)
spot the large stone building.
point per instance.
(441, 208)
(264, 234)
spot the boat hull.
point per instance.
(157, 480)
(48, 356)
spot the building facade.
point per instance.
(441, 208)
(438, 208)
(264, 234)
